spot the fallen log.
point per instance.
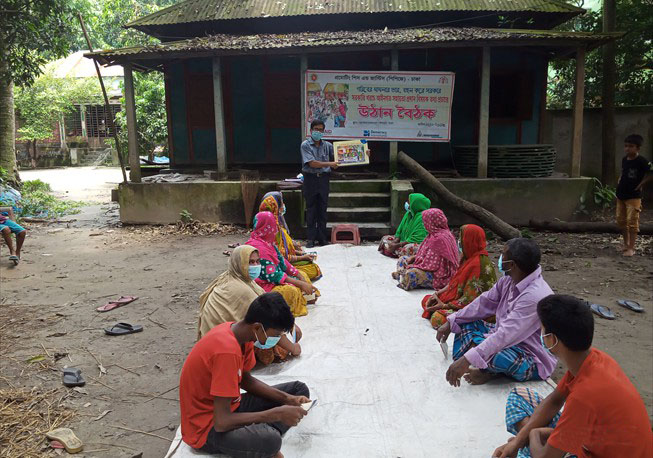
(488, 219)
(585, 226)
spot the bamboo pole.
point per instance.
(107, 108)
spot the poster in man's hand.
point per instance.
(355, 152)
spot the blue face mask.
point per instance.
(500, 265)
(407, 206)
(269, 341)
(460, 247)
(316, 135)
(548, 349)
(283, 210)
(254, 271)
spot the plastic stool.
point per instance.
(346, 229)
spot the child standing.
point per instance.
(635, 172)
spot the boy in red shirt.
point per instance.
(604, 415)
(215, 417)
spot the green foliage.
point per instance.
(4, 175)
(604, 195)
(33, 32)
(185, 216)
(38, 201)
(634, 59)
(42, 104)
(151, 117)
(34, 186)
(527, 233)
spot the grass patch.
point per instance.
(37, 201)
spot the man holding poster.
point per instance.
(317, 162)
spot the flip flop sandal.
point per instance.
(124, 300)
(631, 305)
(14, 259)
(602, 311)
(226, 253)
(67, 438)
(73, 377)
(233, 245)
(120, 329)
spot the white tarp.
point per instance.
(374, 365)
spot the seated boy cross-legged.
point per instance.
(215, 417)
(604, 415)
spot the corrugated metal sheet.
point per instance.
(216, 10)
(241, 44)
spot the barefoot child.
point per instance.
(635, 172)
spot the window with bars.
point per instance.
(99, 123)
(73, 123)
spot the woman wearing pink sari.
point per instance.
(437, 257)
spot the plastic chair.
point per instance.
(351, 229)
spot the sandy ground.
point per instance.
(47, 306)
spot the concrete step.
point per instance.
(359, 186)
(359, 214)
(359, 199)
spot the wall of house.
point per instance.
(628, 120)
(262, 96)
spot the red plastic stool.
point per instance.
(351, 229)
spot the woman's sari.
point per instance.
(475, 275)
(273, 202)
(274, 267)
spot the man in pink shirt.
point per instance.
(512, 346)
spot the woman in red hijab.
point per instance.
(474, 276)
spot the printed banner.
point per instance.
(402, 106)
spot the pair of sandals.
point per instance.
(605, 312)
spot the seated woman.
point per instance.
(277, 274)
(411, 232)
(290, 249)
(436, 260)
(474, 276)
(229, 296)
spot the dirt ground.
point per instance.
(47, 307)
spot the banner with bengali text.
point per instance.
(391, 106)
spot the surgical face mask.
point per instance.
(254, 271)
(460, 247)
(269, 341)
(500, 265)
(407, 206)
(542, 336)
(316, 135)
(283, 210)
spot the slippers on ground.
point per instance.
(631, 305)
(233, 245)
(226, 253)
(602, 311)
(73, 377)
(120, 329)
(124, 300)
(67, 438)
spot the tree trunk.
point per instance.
(563, 226)
(486, 218)
(608, 175)
(7, 125)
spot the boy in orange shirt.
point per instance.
(604, 415)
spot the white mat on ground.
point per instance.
(374, 365)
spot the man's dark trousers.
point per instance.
(316, 195)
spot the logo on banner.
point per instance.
(366, 133)
(313, 77)
(419, 134)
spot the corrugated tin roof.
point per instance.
(217, 10)
(245, 44)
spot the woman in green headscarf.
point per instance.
(411, 231)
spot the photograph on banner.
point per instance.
(408, 106)
(353, 152)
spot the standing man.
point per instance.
(317, 162)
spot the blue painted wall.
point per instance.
(254, 100)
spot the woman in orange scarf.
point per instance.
(273, 202)
(474, 276)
